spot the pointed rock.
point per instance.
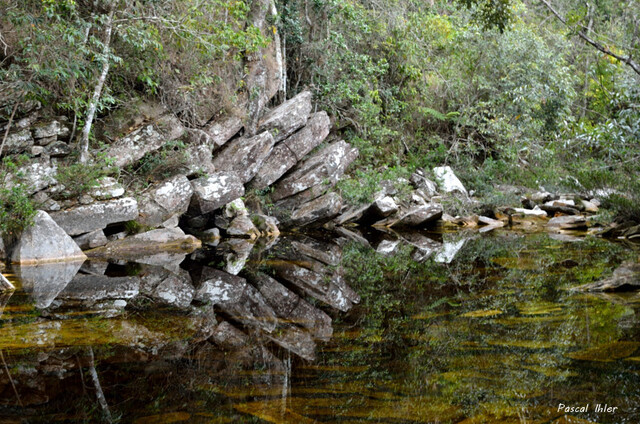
(448, 181)
(45, 242)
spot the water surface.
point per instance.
(385, 328)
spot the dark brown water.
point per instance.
(418, 328)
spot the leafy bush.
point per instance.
(79, 179)
(16, 212)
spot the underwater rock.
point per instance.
(45, 281)
(291, 307)
(167, 287)
(625, 278)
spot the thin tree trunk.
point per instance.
(13, 114)
(585, 100)
(93, 105)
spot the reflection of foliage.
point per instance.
(491, 362)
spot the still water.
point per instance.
(346, 328)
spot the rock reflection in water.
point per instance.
(222, 327)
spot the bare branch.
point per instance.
(626, 60)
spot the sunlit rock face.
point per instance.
(164, 200)
(45, 241)
(285, 119)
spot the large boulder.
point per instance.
(328, 164)
(88, 218)
(52, 130)
(244, 156)
(448, 181)
(215, 190)
(284, 120)
(45, 241)
(34, 177)
(316, 211)
(149, 138)
(108, 188)
(568, 222)
(165, 239)
(197, 159)
(89, 289)
(18, 142)
(289, 152)
(164, 200)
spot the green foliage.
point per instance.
(79, 179)
(166, 162)
(16, 208)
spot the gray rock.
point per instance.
(211, 237)
(570, 222)
(229, 337)
(244, 156)
(536, 211)
(3, 250)
(450, 249)
(45, 281)
(5, 284)
(448, 181)
(625, 278)
(328, 164)
(291, 307)
(134, 146)
(216, 190)
(94, 288)
(45, 241)
(380, 208)
(388, 247)
(85, 199)
(420, 181)
(91, 240)
(241, 226)
(267, 225)
(236, 298)
(17, 142)
(143, 244)
(164, 200)
(198, 159)
(288, 204)
(288, 117)
(237, 258)
(235, 208)
(57, 149)
(57, 129)
(85, 219)
(416, 216)
(541, 197)
(317, 211)
(295, 340)
(108, 188)
(325, 252)
(167, 287)
(217, 133)
(289, 152)
(37, 150)
(316, 285)
(34, 177)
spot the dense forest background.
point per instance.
(528, 93)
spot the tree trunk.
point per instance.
(93, 105)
